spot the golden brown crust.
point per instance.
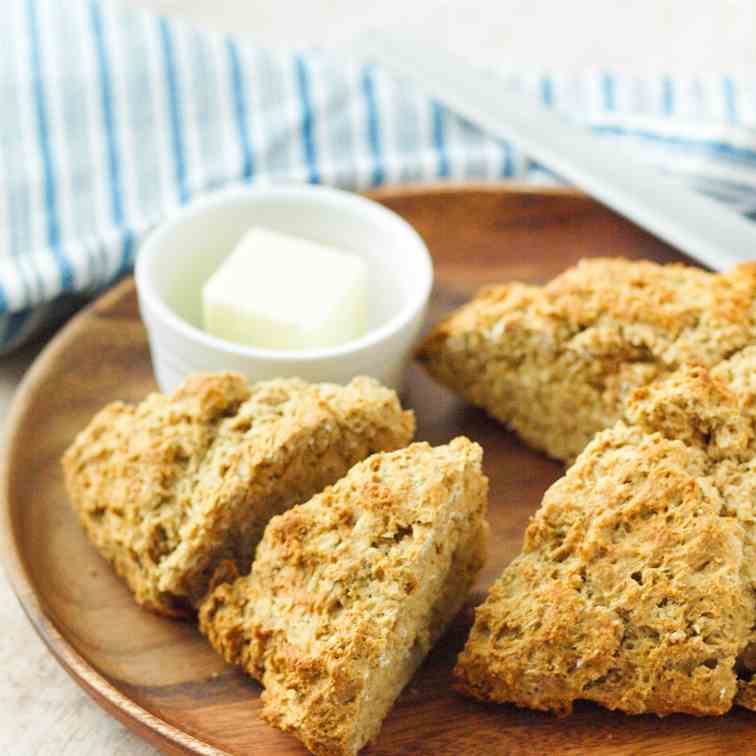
(636, 587)
(555, 363)
(169, 488)
(349, 591)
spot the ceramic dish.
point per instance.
(177, 259)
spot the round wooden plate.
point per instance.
(159, 676)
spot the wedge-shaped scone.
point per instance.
(349, 591)
(169, 488)
(735, 477)
(554, 363)
(636, 585)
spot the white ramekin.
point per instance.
(178, 258)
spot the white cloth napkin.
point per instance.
(112, 118)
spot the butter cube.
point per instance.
(282, 292)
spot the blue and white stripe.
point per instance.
(113, 118)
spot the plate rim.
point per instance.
(147, 725)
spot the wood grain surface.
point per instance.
(159, 676)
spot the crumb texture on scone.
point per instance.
(636, 586)
(349, 591)
(168, 488)
(555, 363)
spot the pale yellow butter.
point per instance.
(282, 292)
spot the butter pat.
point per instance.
(281, 292)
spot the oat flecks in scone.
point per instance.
(554, 363)
(636, 587)
(349, 591)
(169, 488)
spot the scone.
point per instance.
(554, 363)
(169, 488)
(349, 591)
(636, 587)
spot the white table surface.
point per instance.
(41, 710)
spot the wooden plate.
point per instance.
(159, 676)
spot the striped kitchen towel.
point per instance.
(111, 118)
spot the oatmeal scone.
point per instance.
(636, 586)
(554, 363)
(349, 591)
(169, 488)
